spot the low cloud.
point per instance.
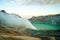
(32, 2)
(37, 2)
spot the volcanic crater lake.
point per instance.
(45, 26)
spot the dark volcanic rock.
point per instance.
(42, 34)
(3, 11)
(45, 34)
(57, 38)
(51, 19)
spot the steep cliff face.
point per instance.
(51, 19)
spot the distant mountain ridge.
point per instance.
(51, 19)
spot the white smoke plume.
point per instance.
(14, 21)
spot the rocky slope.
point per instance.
(9, 34)
(28, 34)
(51, 19)
(15, 32)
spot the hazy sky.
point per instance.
(29, 8)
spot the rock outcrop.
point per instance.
(28, 34)
(3, 11)
(51, 19)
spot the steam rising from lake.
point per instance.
(13, 20)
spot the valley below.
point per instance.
(14, 27)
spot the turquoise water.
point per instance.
(45, 26)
